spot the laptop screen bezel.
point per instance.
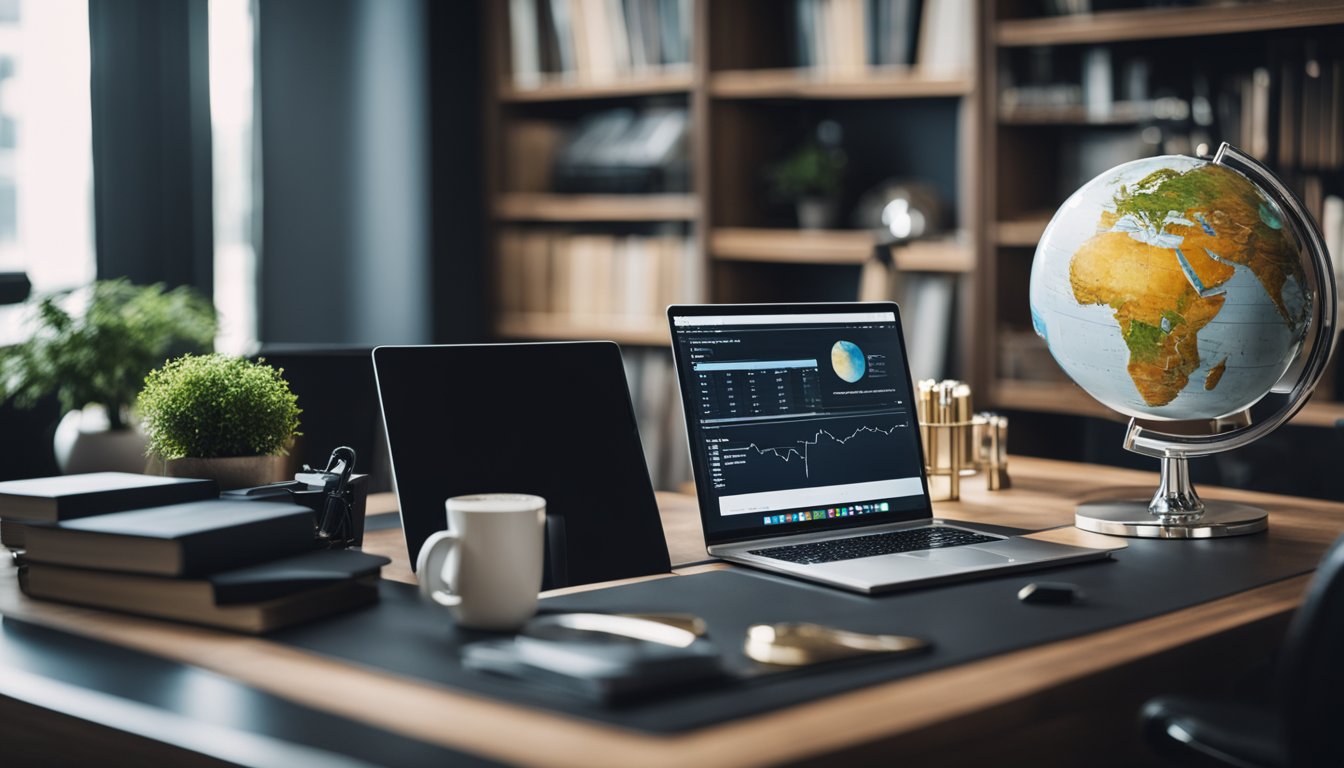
(704, 489)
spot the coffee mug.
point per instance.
(486, 568)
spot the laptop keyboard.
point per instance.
(872, 545)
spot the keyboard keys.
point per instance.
(854, 547)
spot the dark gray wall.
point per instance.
(344, 140)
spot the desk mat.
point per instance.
(964, 621)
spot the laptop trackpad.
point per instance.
(959, 557)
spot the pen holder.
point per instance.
(956, 443)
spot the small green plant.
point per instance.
(213, 406)
(95, 344)
(811, 170)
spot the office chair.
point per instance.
(1300, 726)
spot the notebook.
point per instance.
(806, 450)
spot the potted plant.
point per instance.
(220, 417)
(91, 348)
(810, 178)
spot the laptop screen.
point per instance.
(800, 417)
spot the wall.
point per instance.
(345, 189)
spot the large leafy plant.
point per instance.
(214, 406)
(95, 344)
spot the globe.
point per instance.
(1170, 288)
(1177, 289)
(847, 360)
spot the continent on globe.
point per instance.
(1160, 260)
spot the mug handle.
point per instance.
(429, 568)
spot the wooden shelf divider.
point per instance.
(835, 246)
(1147, 24)
(671, 81)
(1024, 231)
(877, 83)
(555, 207)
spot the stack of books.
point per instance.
(248, 566)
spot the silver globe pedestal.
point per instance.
(1176, 512)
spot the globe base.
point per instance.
(1135, 518)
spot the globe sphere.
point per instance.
(1171, 288)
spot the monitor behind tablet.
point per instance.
(549, 419)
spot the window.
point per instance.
(46, 150)
(232, 96)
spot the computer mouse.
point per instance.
(1049, 593)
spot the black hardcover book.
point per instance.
(67, 497)
(189, 539)
(158, 595)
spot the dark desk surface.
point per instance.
(1059, 703)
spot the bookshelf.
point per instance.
(757, 76)
(1040, 132)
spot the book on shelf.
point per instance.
(595, 277)
(67, 497)
(530, 147)
(186, 539)
(847, 36)
(624, 151)
(255, 599)
(945, 38)
(596, 41)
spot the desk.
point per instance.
(1061, 703)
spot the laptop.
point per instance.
(551, 419)
(806, 451)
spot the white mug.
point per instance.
(486, 568)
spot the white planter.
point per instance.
(817, 212)
(83, 443)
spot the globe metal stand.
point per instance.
(1176, 511)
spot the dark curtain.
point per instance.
(151, 141)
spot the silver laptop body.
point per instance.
(804, 441)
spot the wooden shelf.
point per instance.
(547, 327)
(1022, 232)
(1069, 398)
(1147, 24)
(1122, 114)
(544, 207)
(895, 83)
(834, 246)
(670, 82)
(1050, 397)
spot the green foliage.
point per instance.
(811, 170)
(102, 354)
(214, 406)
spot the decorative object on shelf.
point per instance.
(958, 444)
(220, 417)
(621, 151)
(91, 348)
(900, 210)
(1144, 286)
(810, 177)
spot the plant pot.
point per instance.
(232, 471)
(817, 212)
(84, 443)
